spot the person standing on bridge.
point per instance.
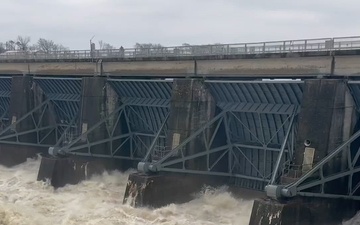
(122, 52)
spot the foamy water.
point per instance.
(354, 221)
(25, 201)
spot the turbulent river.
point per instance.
(25, 201)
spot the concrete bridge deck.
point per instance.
(300, 58)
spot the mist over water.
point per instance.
(25, 201)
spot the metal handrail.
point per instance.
(286, 46)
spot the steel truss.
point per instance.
(230, 152)
(41, 129)
(49, 123)
(122, 145)
(318, 183)
(4, 119)
(5, 91)
(52, 122)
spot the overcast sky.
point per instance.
(173, 22)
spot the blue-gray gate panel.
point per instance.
(257, 92)
(60, 86)
(259, 116)
(65, 94)
(152, 89)
(5, 92)
(355, 91)
(148, 104)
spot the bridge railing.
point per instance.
(287, 46)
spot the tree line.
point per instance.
(23, 43)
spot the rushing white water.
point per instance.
(354, 221)
(25, 201)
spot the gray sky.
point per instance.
(173, 22)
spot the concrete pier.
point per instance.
(159, 190)
(302, 211)
(93, 109)
(327, 118)
(191, 107)
(74, 169)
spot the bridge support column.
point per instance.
(191, 107)
(21, 102)
(327, 118)
(93, 109)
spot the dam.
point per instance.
(280, 118)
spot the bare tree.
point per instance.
(33, 47)
(2, 48)
(105, 46)
(147, 46)
(108, 46)
(60, 47)
(149, 49)
(45, 45)
(10, 45)
(49, 45)
(23, 43)
(101, 44)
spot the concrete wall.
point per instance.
(63, 68)
(149, 68)
(274, 66)
(347, 65)
(14, 68)
(55, 68)
(268, 66)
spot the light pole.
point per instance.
(91, 40)
(91, 48)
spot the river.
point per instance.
(25, 201)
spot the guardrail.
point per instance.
(304, 45)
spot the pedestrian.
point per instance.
(122, 52)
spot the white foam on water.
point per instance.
(354, 221)
(25, 201)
